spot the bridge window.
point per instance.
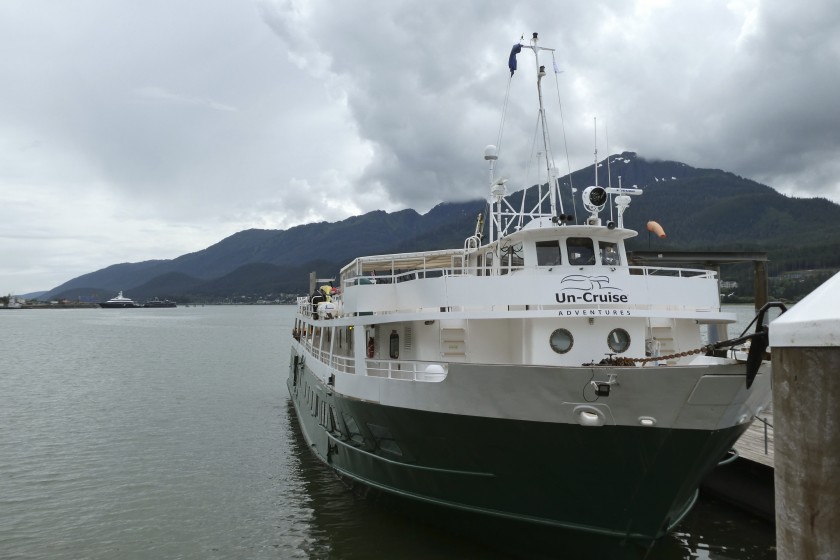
(609, 253)
(581, 250)
(511, 257)
(548, 253)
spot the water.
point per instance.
(167, 433)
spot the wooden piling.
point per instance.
(805, 344)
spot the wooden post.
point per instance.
(805, 343)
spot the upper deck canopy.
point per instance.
(388, 264)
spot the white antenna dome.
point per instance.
(491, 152)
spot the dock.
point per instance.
(757, 442)
(748, 481)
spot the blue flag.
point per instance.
(512, 60)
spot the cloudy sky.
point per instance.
(146, 130)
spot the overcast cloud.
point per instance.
(141, 130)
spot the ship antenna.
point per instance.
(609, 175)
(557, 72)
(595, 137)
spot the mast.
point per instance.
(503, 217)
(595, 138)
(552, 187)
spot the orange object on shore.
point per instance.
(654, 227)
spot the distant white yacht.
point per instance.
(118, 302)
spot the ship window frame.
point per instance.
(602, 246)
(582, 246)
(561, 349)
(548, 253)
(622, 345)
(511, 257)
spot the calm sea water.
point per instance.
(167, 433)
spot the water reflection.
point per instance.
(346, 526)
(715, 531)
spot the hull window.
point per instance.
(618, 340)
(561, 341)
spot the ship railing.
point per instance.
(399, 276)
(672, 272)
(406, 370)
(344, 364)
(599, 309)
(403, 276)
(389, 369)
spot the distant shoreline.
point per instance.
(96, 306)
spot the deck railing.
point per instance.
(407, 370)
(390, 369)
(409, 275)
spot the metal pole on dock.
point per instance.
(805, 344)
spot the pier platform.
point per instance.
(757, 442)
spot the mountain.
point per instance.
(216, 270)
(700, 209)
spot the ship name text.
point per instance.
(595, 312)
(590, 297)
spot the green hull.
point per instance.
(610, 486)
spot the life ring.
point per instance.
(371, 348)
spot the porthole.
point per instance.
(618, 340)
(561, 341)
